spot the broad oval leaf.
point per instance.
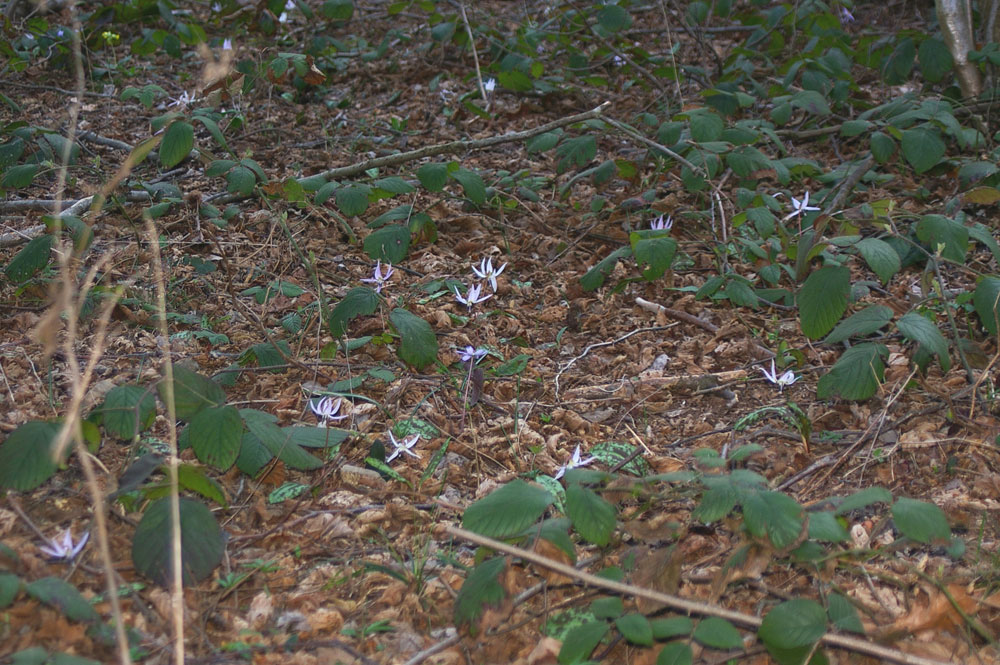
(986, 300)
(595, 277)
(915, 327)
(472, 184)
(921, 521)
(201, 542)
(33, 257)
(10, 586)
(177, 143)
(359, 301)
(860, 323)
(718, 633)
(922, 148)
(843, 614)
(192, 392)
(635, 628)
(418, 344)
(824, 526)
(664, 629)
(795, 623)
(675, 653)
(880, 257)
(775, 515)
(19, 176)
(481, 589)
(63, 596)
(942, 232)
(127, 410)
(822, 300)
(353, 200)
(277, 440)
(507, 511)
(216, 433)
(26, 456)
(433, 176)
(581, 641)
(592, 517)
(389, 243)
(863, 499)
(657, 253)
(856, 375)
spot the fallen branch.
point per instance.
(460, 145)
(683, 604)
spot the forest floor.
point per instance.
(359, 569)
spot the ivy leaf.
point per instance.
(508, 511)
(822, 300)
(592, 517)
(856, 375)
(860, 324)
(915, 327)
(359, 301)
(201, 542)
(418, 344)
(921, 521)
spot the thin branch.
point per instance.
(475, 56)
(683, 604)
(460, 145)
(625, 129)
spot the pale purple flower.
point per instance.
(184, 99)
(327, 409)
(490, 85)
(845, 15)
(573, 463)
(289, 6)
(66, 548)
(377, 278)
(487, 272)
(227, 44)
(405, 446)
(471, 353)
(799, 207)
(660, 224)
(617, 61)
(786, 379)
(472, 296)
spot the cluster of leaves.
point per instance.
(521, 512)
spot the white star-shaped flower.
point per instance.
(573, 463)
(66, 548)
(487, 272)
(799, 207)
(472, 296)
(786, 379)
(327, 409)
(405, 446)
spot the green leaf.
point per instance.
(843, 614)
(192, 392)
(592, 517)
(418, 344)
(389, 243)
(745, 160)
(289, 490)
(612, 453)
(880, 257)
(581, 641)
(472, 184)
(854, 128)
(717, 502)
(882, 147)
(657, 253)
(10, 586)
(811, 102)
(986, 300)
(935, 59)
(59, 145)
(576, 151)
(63, 596)
(196, 479)
(127, 410)
(216, 434)
(338, 10)
(253, 456)
(773, 514)
(822, 300)
(792, 624)
(433, 176)
(718, 634)
(940, 231)
(856, 375)
(983, 235)
(614, 18)
(636, 629)
(514, 366)
(33, 257)
(675, 653)
(861, 323)
(920, 521)
(241, 180)
(213, 129)
(359, 301)
(915, 327)
(202, 543)
(277, 441)
(824, 526)
(316, 437)
(177, 143)
(266, 354)
(394, 185)
(607, 607)
(353, 200)
(544, 142)
(595, 276)
(481, 589)
(900, 63)
(19, 176)
(863, 499)
(507, 511)
(664, 629)
(922, 148)
(706, 126)
(26, 456)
